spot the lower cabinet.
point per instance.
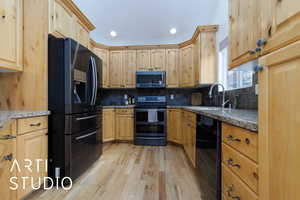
(109, 133)
(239, 163)
(8, 154)
(124, 124)
(174, 126)
(32, 146)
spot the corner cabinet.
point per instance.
(11, 35)
(279, 114)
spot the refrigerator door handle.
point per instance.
(93, 82)
(96, 81)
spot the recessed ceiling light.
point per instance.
(113, 34)
(173, 31)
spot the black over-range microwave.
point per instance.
(151, 79)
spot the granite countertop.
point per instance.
(246, 119)
(119, 106)
(6, 115)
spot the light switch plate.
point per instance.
(256, 89)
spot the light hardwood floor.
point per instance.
(128, 172)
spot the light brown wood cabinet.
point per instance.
(187, 73)
(189, 135)
(158, 60)
(174, 125)
(11, 35)
(104, 56)
(32, 146)
(129, 68)
(8, 154)
(244, 31)
(279, 139)
(109, 133)
(124, 124)
(172, 68)
(116, 69)
(66, 20)
(283, 22)
(143, 60)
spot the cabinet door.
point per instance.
(129, 68)
(82, 34)
(172, 62)
(62, 21)
(109, 125)
(286, 24)
(279, 114)
(143, 60)
(187, 67)
(124, 127)
(158, 59)
(244, 30)
(11, 35)
(32, 146)
(104, 56)
(115, 69)
(171, 127)
(8, 154)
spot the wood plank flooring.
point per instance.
(128, 172)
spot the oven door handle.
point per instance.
(84, 118)
(86, 135)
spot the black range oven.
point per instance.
(150, 121)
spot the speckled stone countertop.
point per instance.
(242, 118)
(6, 115)
(120, 106)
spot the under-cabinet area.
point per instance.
(152, 100)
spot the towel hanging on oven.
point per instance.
(152, 116)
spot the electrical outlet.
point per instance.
(125, 96)
(256, 89)
(172, 96)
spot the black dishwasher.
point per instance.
(208, 157)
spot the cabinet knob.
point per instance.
(258, 68)
(231, 138)
(36, 124)
(230, 162)
(230, 191)
(7, 137)
(261, 42)
(8, 157)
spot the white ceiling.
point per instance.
(146, 22)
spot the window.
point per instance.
(240, 77)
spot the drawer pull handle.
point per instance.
(231, 138)
(247, 141)
(37, 124)
(8, 157)
(7, 137)
(231, 163)
(229, 193)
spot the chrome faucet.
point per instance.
(211, 90)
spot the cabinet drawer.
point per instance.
(243, 167)
(8, 130)
(124, 111)
(233, 187)
(242, 140)
(31, 124)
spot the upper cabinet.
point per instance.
(129, 68)
(245, 30)
(66, 20)
(187, 75)
(158, 60)
(143, 60)
(11, 35)
(103, 54)
(172, 68)
(115, 69)
(283, 22)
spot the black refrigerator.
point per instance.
(75, 129)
